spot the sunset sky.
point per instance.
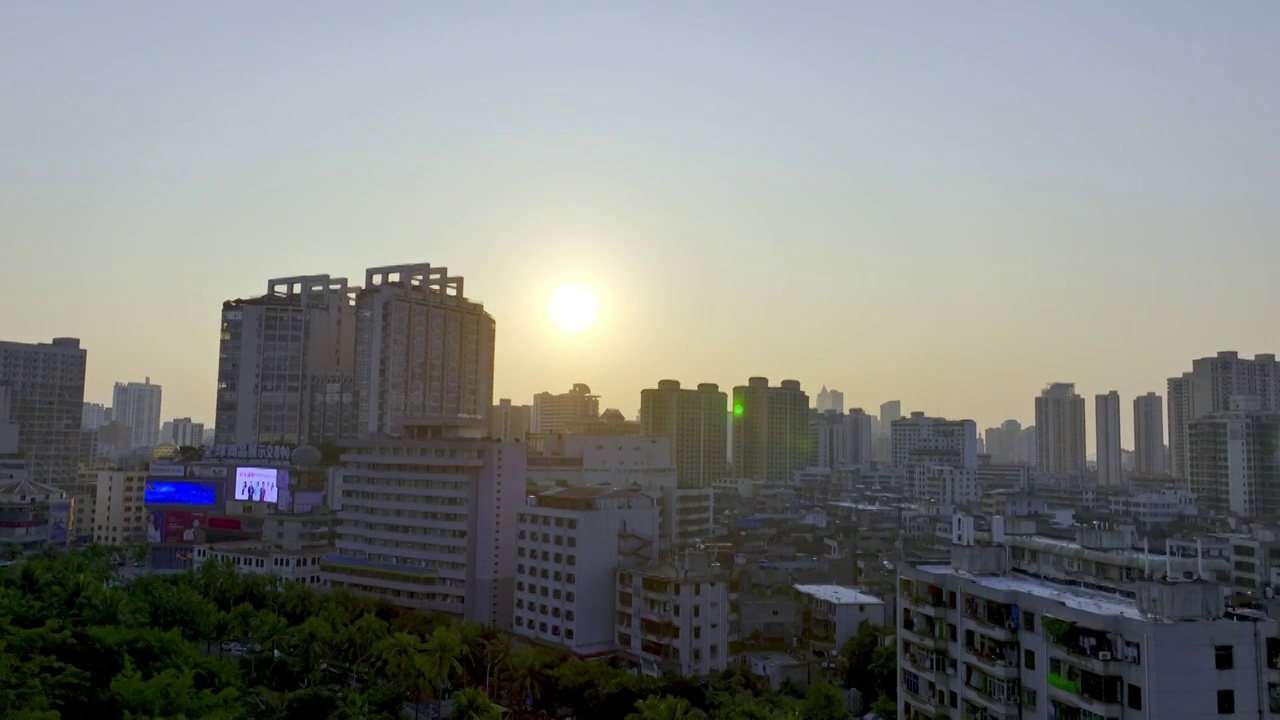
(948, 203)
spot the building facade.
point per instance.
(510, 423)
(120, 516)
(571, 543)
(923, 439)
(557, 413)
(184, 432)
(674, 618)
(422, 348)
(830, 400)
(696, 423)
(1106, 422)
(977, 641)
(428, 520)
(137, 405)
(1060, 428)
(1235, 460)
(1148, 435)
(271, 348)
(771, 433)
(1208, 388)
(46, 382)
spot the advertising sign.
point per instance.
(59, 518)
(155, 526)
(248, 452)
(172, 492)
(207, 471)
(162, 470)
(184, 527)
(257, 484)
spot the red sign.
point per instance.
(185, 527)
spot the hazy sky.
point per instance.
(948, 203)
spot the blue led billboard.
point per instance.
(172, 492)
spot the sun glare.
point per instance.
(572, 308)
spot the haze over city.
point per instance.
(949, 205)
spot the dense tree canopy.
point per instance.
(76, 641)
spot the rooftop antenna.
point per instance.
(1146, 558)
(1168, 559)
(1199, 560)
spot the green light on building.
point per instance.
(737, 409)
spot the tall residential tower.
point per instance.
(1060, 428)
(1106, 421)
(770, 430)
(47, 403)
(696, 422)
(1148, 435)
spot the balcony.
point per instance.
(927, 635)
(998, 660)
(1000, 704)
(1082, 647)
(923, 706)
(1085, 690)
(931, 665)
(996, 619)
(931, 605)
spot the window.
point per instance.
(697, 632)
(1029, 659)
(1222, 657)
(1135, 697)
(1226, 702)
(1029, 621)
(1028, 698)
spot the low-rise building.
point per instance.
(264, 558)
(674, 618)
(33, 516)
(571, 543)
(833, 614)
(120, 516)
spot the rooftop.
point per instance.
(1076, 598)
(839, 594)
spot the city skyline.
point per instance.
(692, 162)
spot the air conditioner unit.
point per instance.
(1104, 656)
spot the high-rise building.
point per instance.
(47, 403)
(1027, 441)
(1148, 435)
(939, 458)
(1060, 428)
(427, 520)
(1106, 422)
(1208, 388)
(828, 440)
(422, 348)
(185, 432)
(333, 415)
(557, 413)
(510, 423)
(830, 400)
(935, 440)
(771, 434)
(1003, 443)
(889, 412)
(137, 405)
(859, 438)
(1235, 459)
(93, 416)
(270, 350)
(696, 423)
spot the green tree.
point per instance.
(824, 702)
(665, 708)
(471, 704)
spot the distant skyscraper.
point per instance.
(1027, 440)
(510, 423)
(828, 440)
(1233, 459)
(1148, 435)
(922, 439)
(47, 403)
(696, 422)
(1209, 387)
(1060, 428)
(1003, 442)
(137, 405)
(859, 442)
(557, 413)
(830, 400)
(889, 412)
(771, 434)
(270, 350)
(93, 416)
(1107, 425)
(184, 432)
(422, 348)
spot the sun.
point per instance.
(573, 308)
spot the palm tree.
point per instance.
(665, 708)
(471, 704)
(439, 659)
(524, 673)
